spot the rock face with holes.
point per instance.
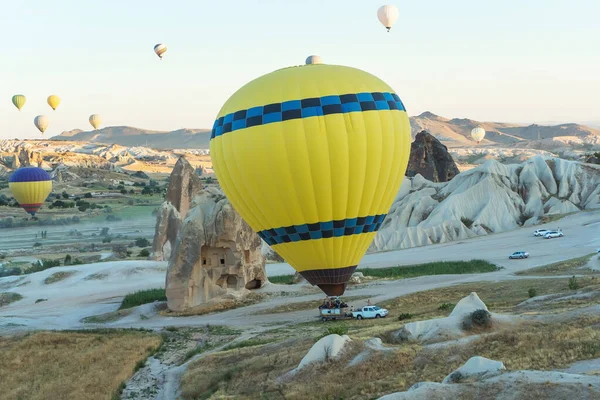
(430, 158)
(216, 255)
(184, 185)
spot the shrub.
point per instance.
(42, 265)
(478, 319)
(573, 283)
(107, 239)
(10, 271)
(340, 329)
(87, 195)
(68, 259)
(142, 242)
(143, 297)
(144, 253)
(532, 292)
(446, 306)
(405, 316)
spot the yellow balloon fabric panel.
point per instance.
(31, 195)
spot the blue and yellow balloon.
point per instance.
(30, 186)
(312, 157)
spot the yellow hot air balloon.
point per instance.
(41, 122)
(30, 186)
(95, 120)
(312, 157)
(53, 101)
(19, 101)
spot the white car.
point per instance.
(540, 232)
(552, 234)
(519, 254)
(370, 312)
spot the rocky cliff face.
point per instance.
(490, 198)
(430, 158)
(184, 185)
(216, 255)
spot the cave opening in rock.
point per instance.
(253, 284)
(228, 281)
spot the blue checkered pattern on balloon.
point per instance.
(312, 107)
(322, 230)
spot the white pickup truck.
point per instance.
(370, 312)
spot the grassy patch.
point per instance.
(434, 268)
(235, 374)
(67, 365)
(94, 277)
(143, 297)
(9, 297)
(107, 317)
(249, 343)
(282, 279)
(573, 265)
(197, 350)
(59, 276)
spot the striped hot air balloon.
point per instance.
(19, 101)
(478, 133)
(160, 49)
(30, 186)
(312, 157)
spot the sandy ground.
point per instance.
(76, 297)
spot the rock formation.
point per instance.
(489, 198)
(184, 185)
(216, 253)
(430, 158)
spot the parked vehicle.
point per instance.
(334, 314)
(540, 232)
(519, 254)
(370, 312)
(553, 234)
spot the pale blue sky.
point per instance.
(512, 60)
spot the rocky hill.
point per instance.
(490, 198)
(456, 133)
(51, 154)
(128, 136)
(430, 158)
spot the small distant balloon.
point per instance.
(41, 122)
(314, 60)
(19, 101)
(160, 49)
(388, 15)
(478, 134)
(95, 120)
(53, 101)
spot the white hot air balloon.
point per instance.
(314, 60)
(95, 120)
(388, 15)
(478, 134)
(41, 122)
(160, 49)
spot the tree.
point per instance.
(123, 191)
(144, 253)
(68, 259)
(88, 195)
(142, 242)
(65, 195)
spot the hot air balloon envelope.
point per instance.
(388, 15)
(160, 49)
(41, 122)
(312, 157)
(30, 186)
(478, 134)
(53, 101)
(95, 120)
(19, 101)
(314, 60)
